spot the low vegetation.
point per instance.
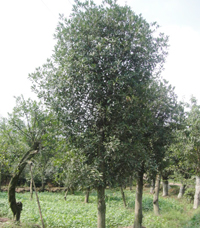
(74, 213)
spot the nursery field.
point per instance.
(74, 213)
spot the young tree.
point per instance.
(29, 124)
(103, 61)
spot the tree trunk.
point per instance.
(65, 197)
(181, 191)
(131, 182)
(87, 193)
(16, 207)
(42, 187)
(156, 195)
(72, 191)
(152, 188)
(165, 187)
(123, 196)
(101, 207)
(31, 188)
(138, 201)
(197, 193)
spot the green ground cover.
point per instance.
(74, 213)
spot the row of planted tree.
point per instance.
(104, 114)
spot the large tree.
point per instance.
(103, 61)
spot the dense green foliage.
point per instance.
(99, 80)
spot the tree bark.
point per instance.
(152, 188)
(138, 201)
(101, 207)
(43, 186)
(31, 188)
(123, 196)
(73, 191)
(87, 193)
(197, 193)
(131, 182)
(16, 207)
(165, 187)
(181, 191)
(66, 191)
(156, 195)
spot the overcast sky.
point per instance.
(26, 41)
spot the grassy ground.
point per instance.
(73, 213)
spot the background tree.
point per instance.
(162, 112)
(12, 148)
(180, 168)
(29, 123)
(192, 134)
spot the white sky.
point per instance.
(26, 41)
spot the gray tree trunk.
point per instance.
(72, 190)
(43, 186)
(156, 195)
(138, 201)
(152, 188)
(165, 187)
(31, 188)
(101, 208)
(16, 207)
(123, 196)
(181, 191)
(131, 182)
(197, 193)
(66, 191)
(87, 193)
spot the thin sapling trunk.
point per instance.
(37, 196)
(31, 188)
(66, 191)
(131, 182)
(43, 186)
(87, 194)
(123, 196)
